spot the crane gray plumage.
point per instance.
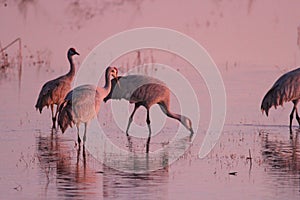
(83, 103)
(145, 91)
(285, 89)
(53, 92)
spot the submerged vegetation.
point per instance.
(10, 58)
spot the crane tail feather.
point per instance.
(39, 106)
(268, 101)
(65, 118)
(286, 88)
(274, 97)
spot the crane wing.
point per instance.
(286, 88)
(128, 85)
(84, 101)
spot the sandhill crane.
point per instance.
(83, 103)
(285, 89)
(53, 92)
(145, 91)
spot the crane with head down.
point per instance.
(145, 91)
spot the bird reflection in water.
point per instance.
(283, 159)
(64, 167)
(121, 185)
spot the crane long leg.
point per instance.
(78, 137)
(53, 118)
(136, 106)
(84, 158)
(84, 136)
(291, 117)
(297, 116)
(295, 102)
(149, 127)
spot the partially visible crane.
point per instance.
(285, 89)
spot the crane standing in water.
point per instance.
(53, 92)
(285, 89)
(83, 103)
(145, 91)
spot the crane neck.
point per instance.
(107, 85)
(71, 73)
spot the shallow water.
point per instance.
(40, 163)
(255, 157)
